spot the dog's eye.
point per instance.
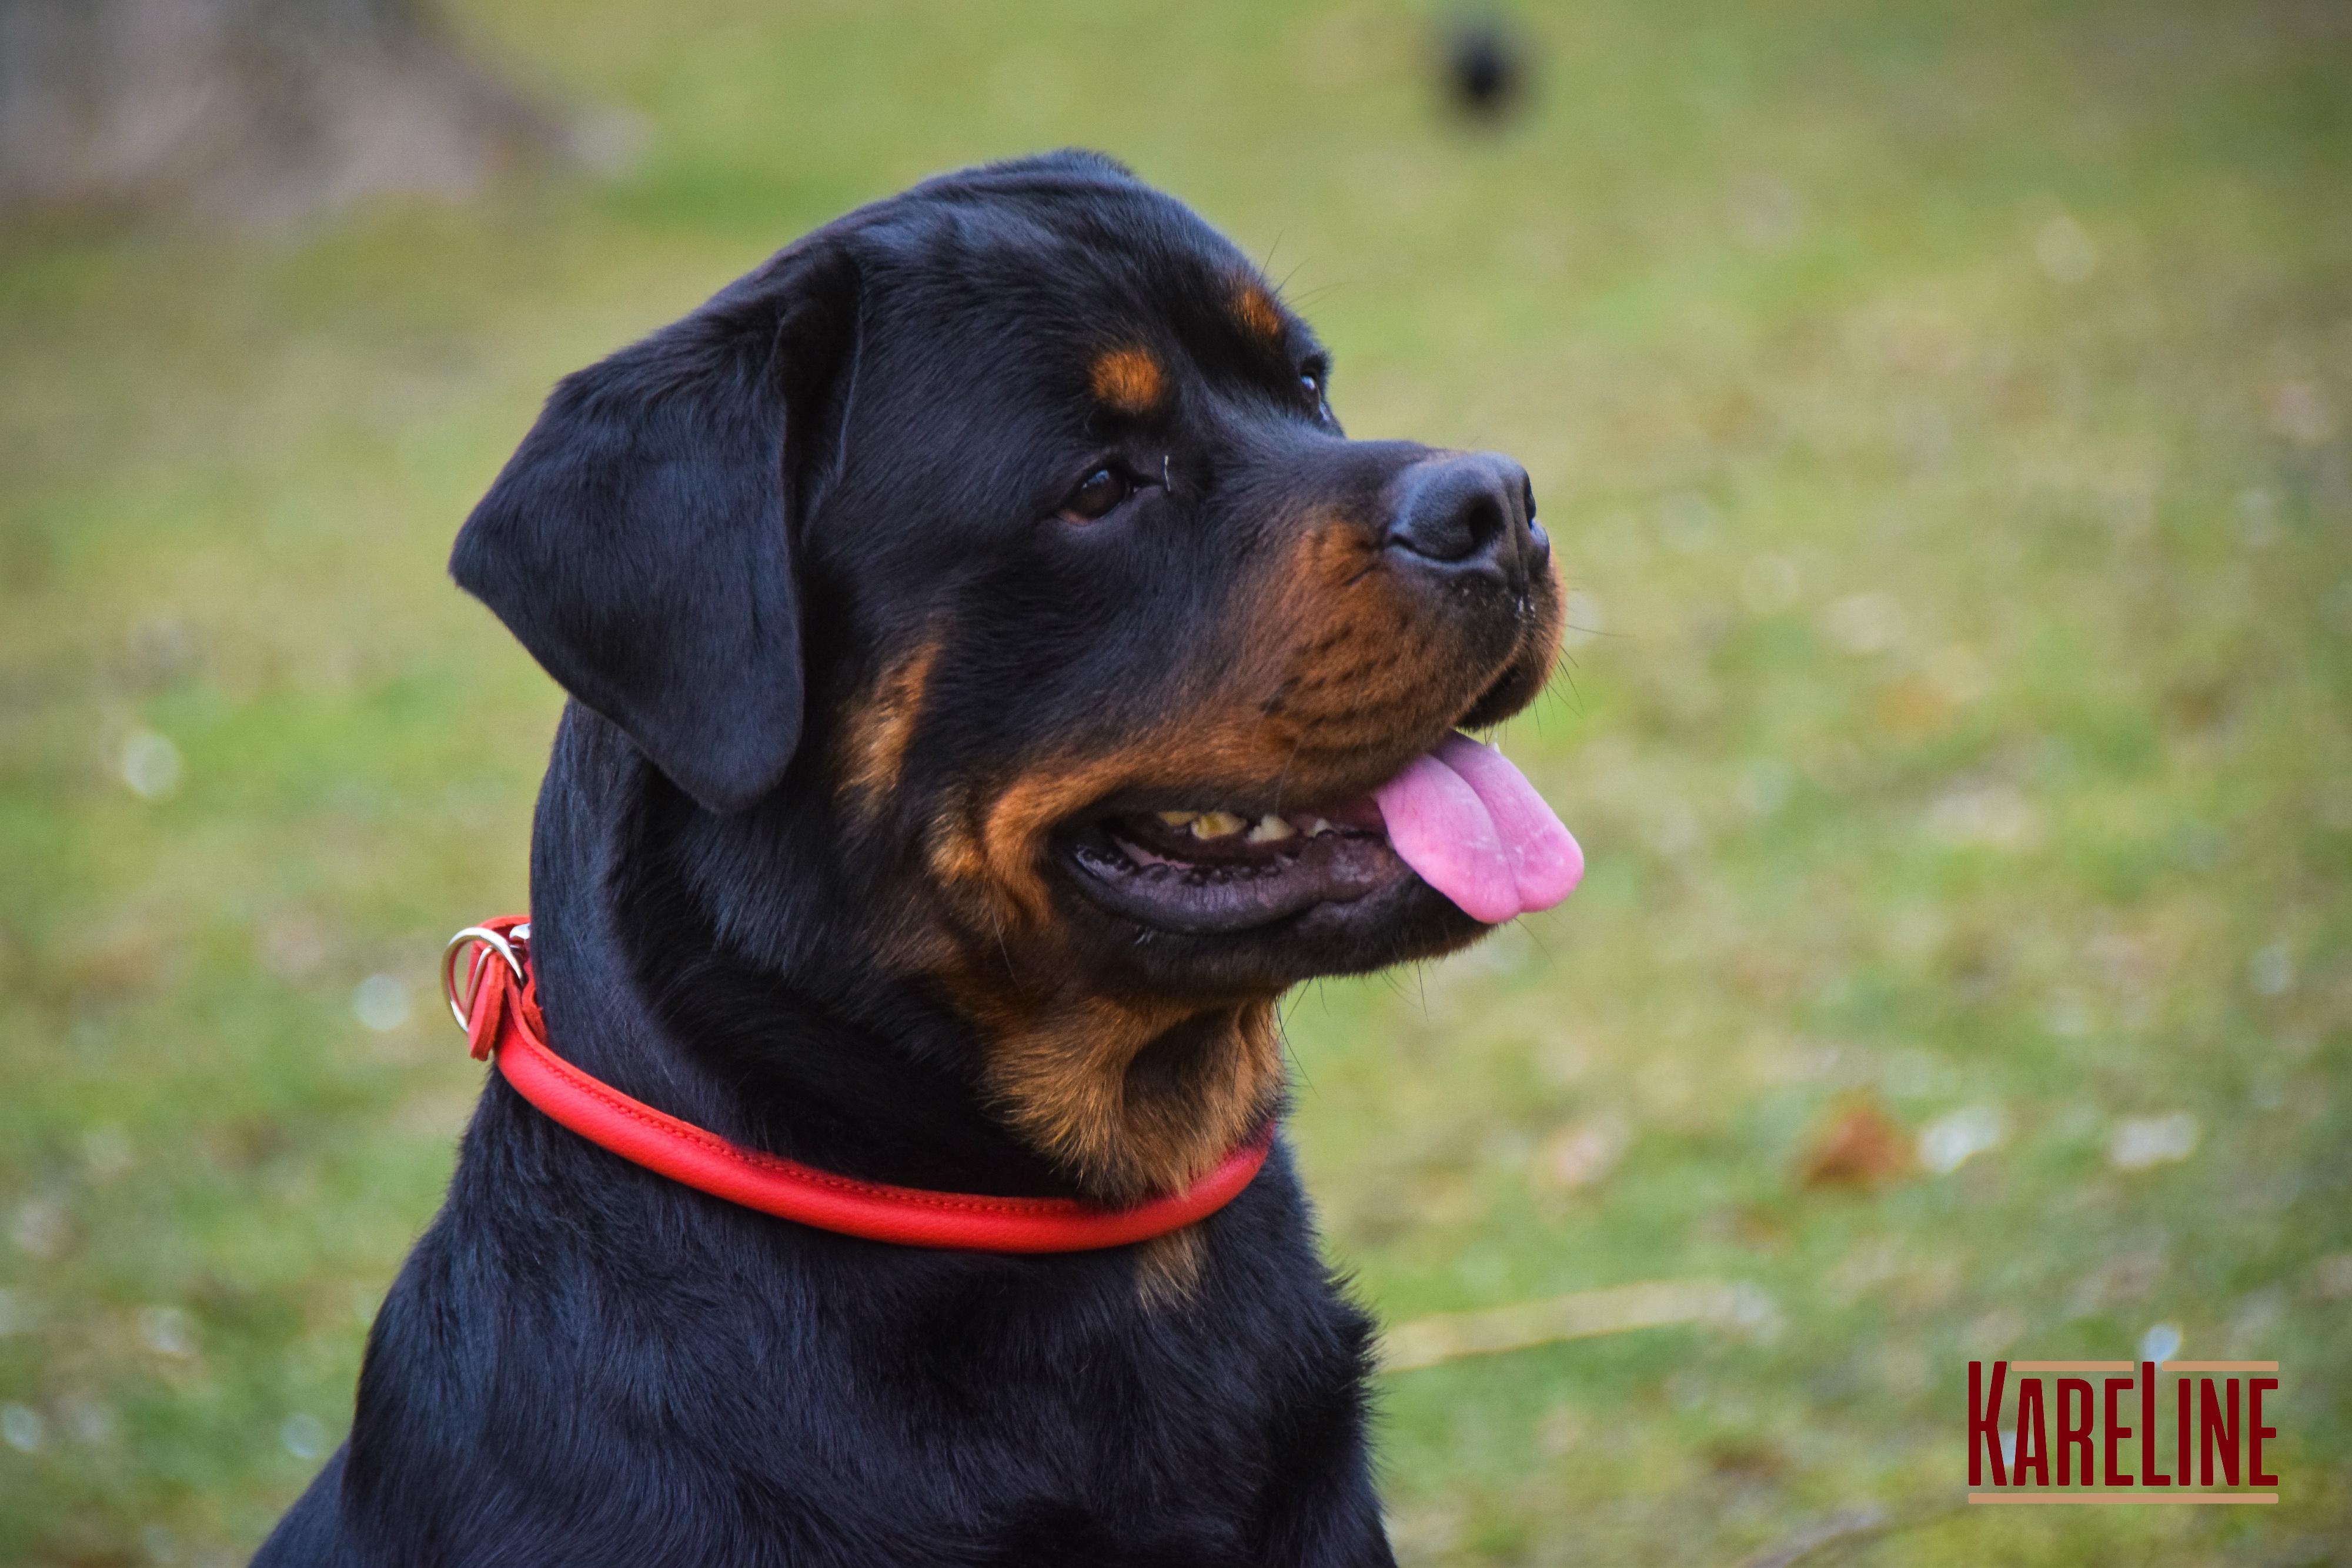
(1315, 380)
(1097, 495)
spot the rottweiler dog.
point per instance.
(994, 679)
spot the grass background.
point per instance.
(1943, 412)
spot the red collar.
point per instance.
(498, 1010)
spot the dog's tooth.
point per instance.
(1271, 830)
(1217, 825)
(1179, 818)
(1319, 827)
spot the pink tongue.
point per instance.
(1475, 829)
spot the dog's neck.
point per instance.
(769, 1036)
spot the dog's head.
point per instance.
(1001, 538)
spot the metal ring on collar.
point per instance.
(473, 935)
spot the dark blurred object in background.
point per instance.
(1485, 68)
(247, 110)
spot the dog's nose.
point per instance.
(1467, 511)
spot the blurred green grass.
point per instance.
(1943, 412)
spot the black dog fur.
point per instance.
(754, 906)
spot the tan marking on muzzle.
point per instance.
(1329, 677)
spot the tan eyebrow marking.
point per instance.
(1128, 380)
(1255, 311)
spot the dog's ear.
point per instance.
(639, 541)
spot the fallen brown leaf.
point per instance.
(1858, 1143)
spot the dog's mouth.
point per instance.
(1183, 869)
(1460, 818)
